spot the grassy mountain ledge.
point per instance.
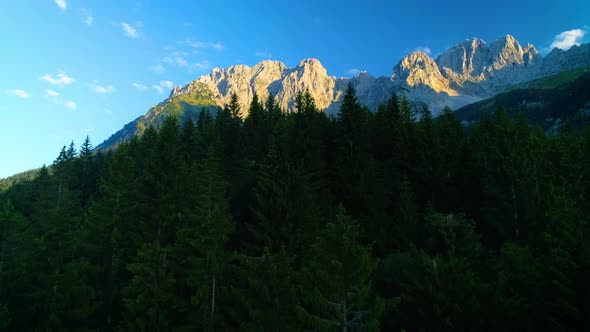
(182, 106)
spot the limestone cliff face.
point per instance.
(511, 64)
(267, 77)
(474, 68)
(465, 62)
(309, 74)
(467, 72)
(239, 79)
(418, 70)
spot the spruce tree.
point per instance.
(336, 290)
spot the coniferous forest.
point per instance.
(300, 221)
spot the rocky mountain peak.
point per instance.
(506, 51)
(464, 61)
(509, 39)
(311, 62)
(363, 75)
(269, 65)
(313, 65)
(414, 62)
(558, 60)
(176, 90)
(419, 70)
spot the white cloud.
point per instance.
(61, 4)
(70, 104)
(139, 86)
(179, 53)
(60, 79)
(108, 111)
(179, 61)
(264, 54)
(193, 43)
(89, 130)
(88, 19)
(202, 65)
(129, 30)
(52, 93)
(162, 86)
(167, 84)
(353, 71)
(158, 69)
(102, 89)
(200, 44)
(423, 49)
(19, 93)
(567, 39)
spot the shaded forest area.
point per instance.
(302, 222)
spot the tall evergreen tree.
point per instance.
(201, 246)
(336, 293)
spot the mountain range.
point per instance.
(464, 74)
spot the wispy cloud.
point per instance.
(160, 88)
(567, 39)
(19, 93)
(158, 69)
(61, 4)
(88, 19)
(179, 53)
(423, 49)
(353, 71)
(200, 44)
(60, 79)
(108, 111)
(167, 84)
(201, 65)
(70, 104)
(139, 86)
(179, 61)
(102, 88)
(264, 54)
(129, 30)
(52, 93)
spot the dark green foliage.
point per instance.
(336, 289)
(550, 105)
(213, 222)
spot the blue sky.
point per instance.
(71, 68)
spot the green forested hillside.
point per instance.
(550, 102)
(11, 180)
(301, 222)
